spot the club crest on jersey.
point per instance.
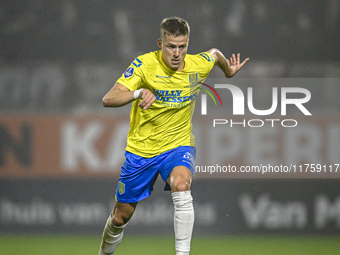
(129, 72)
(193, 78)
(121, 188)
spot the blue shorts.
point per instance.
(139, 174)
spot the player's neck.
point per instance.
(181, 67)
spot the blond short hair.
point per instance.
(174, 26)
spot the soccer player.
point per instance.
(162, 87)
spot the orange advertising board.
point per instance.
(61, 146)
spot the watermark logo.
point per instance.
(295, 96)
(204, 97)
(193, 79)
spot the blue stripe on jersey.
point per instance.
(206, 56)
(137, 62)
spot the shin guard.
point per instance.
(183, 221)
(111, 238)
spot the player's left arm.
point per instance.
(229, 66)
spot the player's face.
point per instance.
(174, 50)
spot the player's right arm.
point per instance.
(120, 95)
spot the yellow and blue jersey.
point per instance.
(166, 124)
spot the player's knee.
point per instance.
(180, 185)
(180, 179)
(122, 213)
(183, 186)
(120, 220)
(117, 221)
(121, 217)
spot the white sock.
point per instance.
(183, 221)
(112, 236)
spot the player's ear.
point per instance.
(159, 43)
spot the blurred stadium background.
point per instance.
(61, 151)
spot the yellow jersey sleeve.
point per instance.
(206, 61)
(133, 77)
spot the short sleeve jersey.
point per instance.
(166, 124)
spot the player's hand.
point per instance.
(148, 99)
(234, 64)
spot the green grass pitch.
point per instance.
(137, 245)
